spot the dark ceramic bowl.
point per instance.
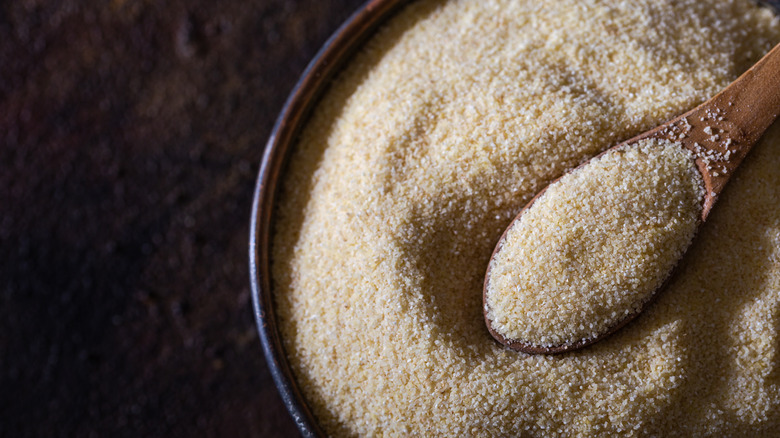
(314, 81)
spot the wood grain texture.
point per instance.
(130, 135)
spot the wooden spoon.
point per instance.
(720, 133)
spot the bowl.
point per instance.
(314, 81)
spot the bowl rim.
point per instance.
(313, 82)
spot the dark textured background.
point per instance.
(130, 136)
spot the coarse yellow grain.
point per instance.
(595, 246)
(418, 157)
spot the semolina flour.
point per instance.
(418, 157)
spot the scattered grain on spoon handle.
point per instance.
(722, 131)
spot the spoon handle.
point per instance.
(752, 102)
(721, 131)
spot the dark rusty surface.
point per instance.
(130, 136)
